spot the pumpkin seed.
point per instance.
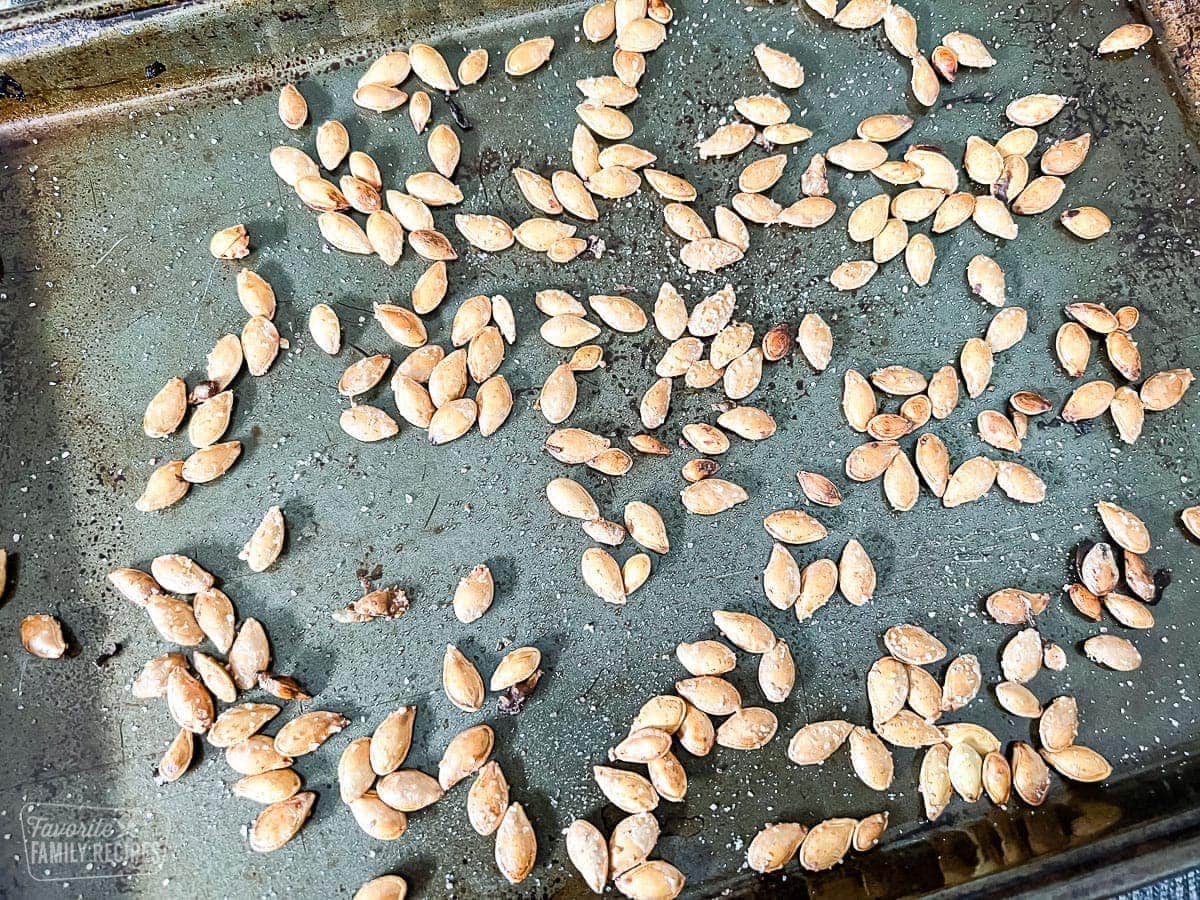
(712, 496)
(1021, 658)
(933, 462)
(628, 791)
(280, 822)
(1130, 36)
(1162, 390)
(815, 743)
(652, 880)
(871, 759)
(461, 680)
(850, 276)
(744, 631)
(774, 846)
(1059, 724)
(749, 728)
(856, 574)
(633, 840)
(887, 688)
(585, 844)
(965, 767)
(777, 672)
(934, 781)
(818, 580)
(265, 787)
(914, 645)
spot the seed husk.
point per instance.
(307, 732)
(1018, 700)
(816, 742)
(343, 233)
(1126, 529)
(868, 831)
(856, 155)
(280, 822)
(924, 81)
(1162, 390)
(215, 677)
(585, 844)
(473, 595)
(868, 218)
(858, 400)
(237, 723)
(368, 423)
(174, 620)
(900, 28)
(889, 427)
(654, 879)
(390, 743)
(291, 164)
(385, 887)
(409, 790)
(646, 526)
(464, 755)
(180, 573)
(1112, 652)
(452, 420)
(516, 845)
(794, 526)
(134, 585)
(708, 255)
(1014, 606)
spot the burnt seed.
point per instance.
(155, 69)
(10, 87)
(460, 117)
(512, 701)
(203, 390)
(107, 654)
(1162, 580)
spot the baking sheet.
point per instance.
(109, 198)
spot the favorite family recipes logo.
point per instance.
(71, 842)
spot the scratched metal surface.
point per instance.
(108, 291)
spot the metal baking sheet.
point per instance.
(111, 184)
